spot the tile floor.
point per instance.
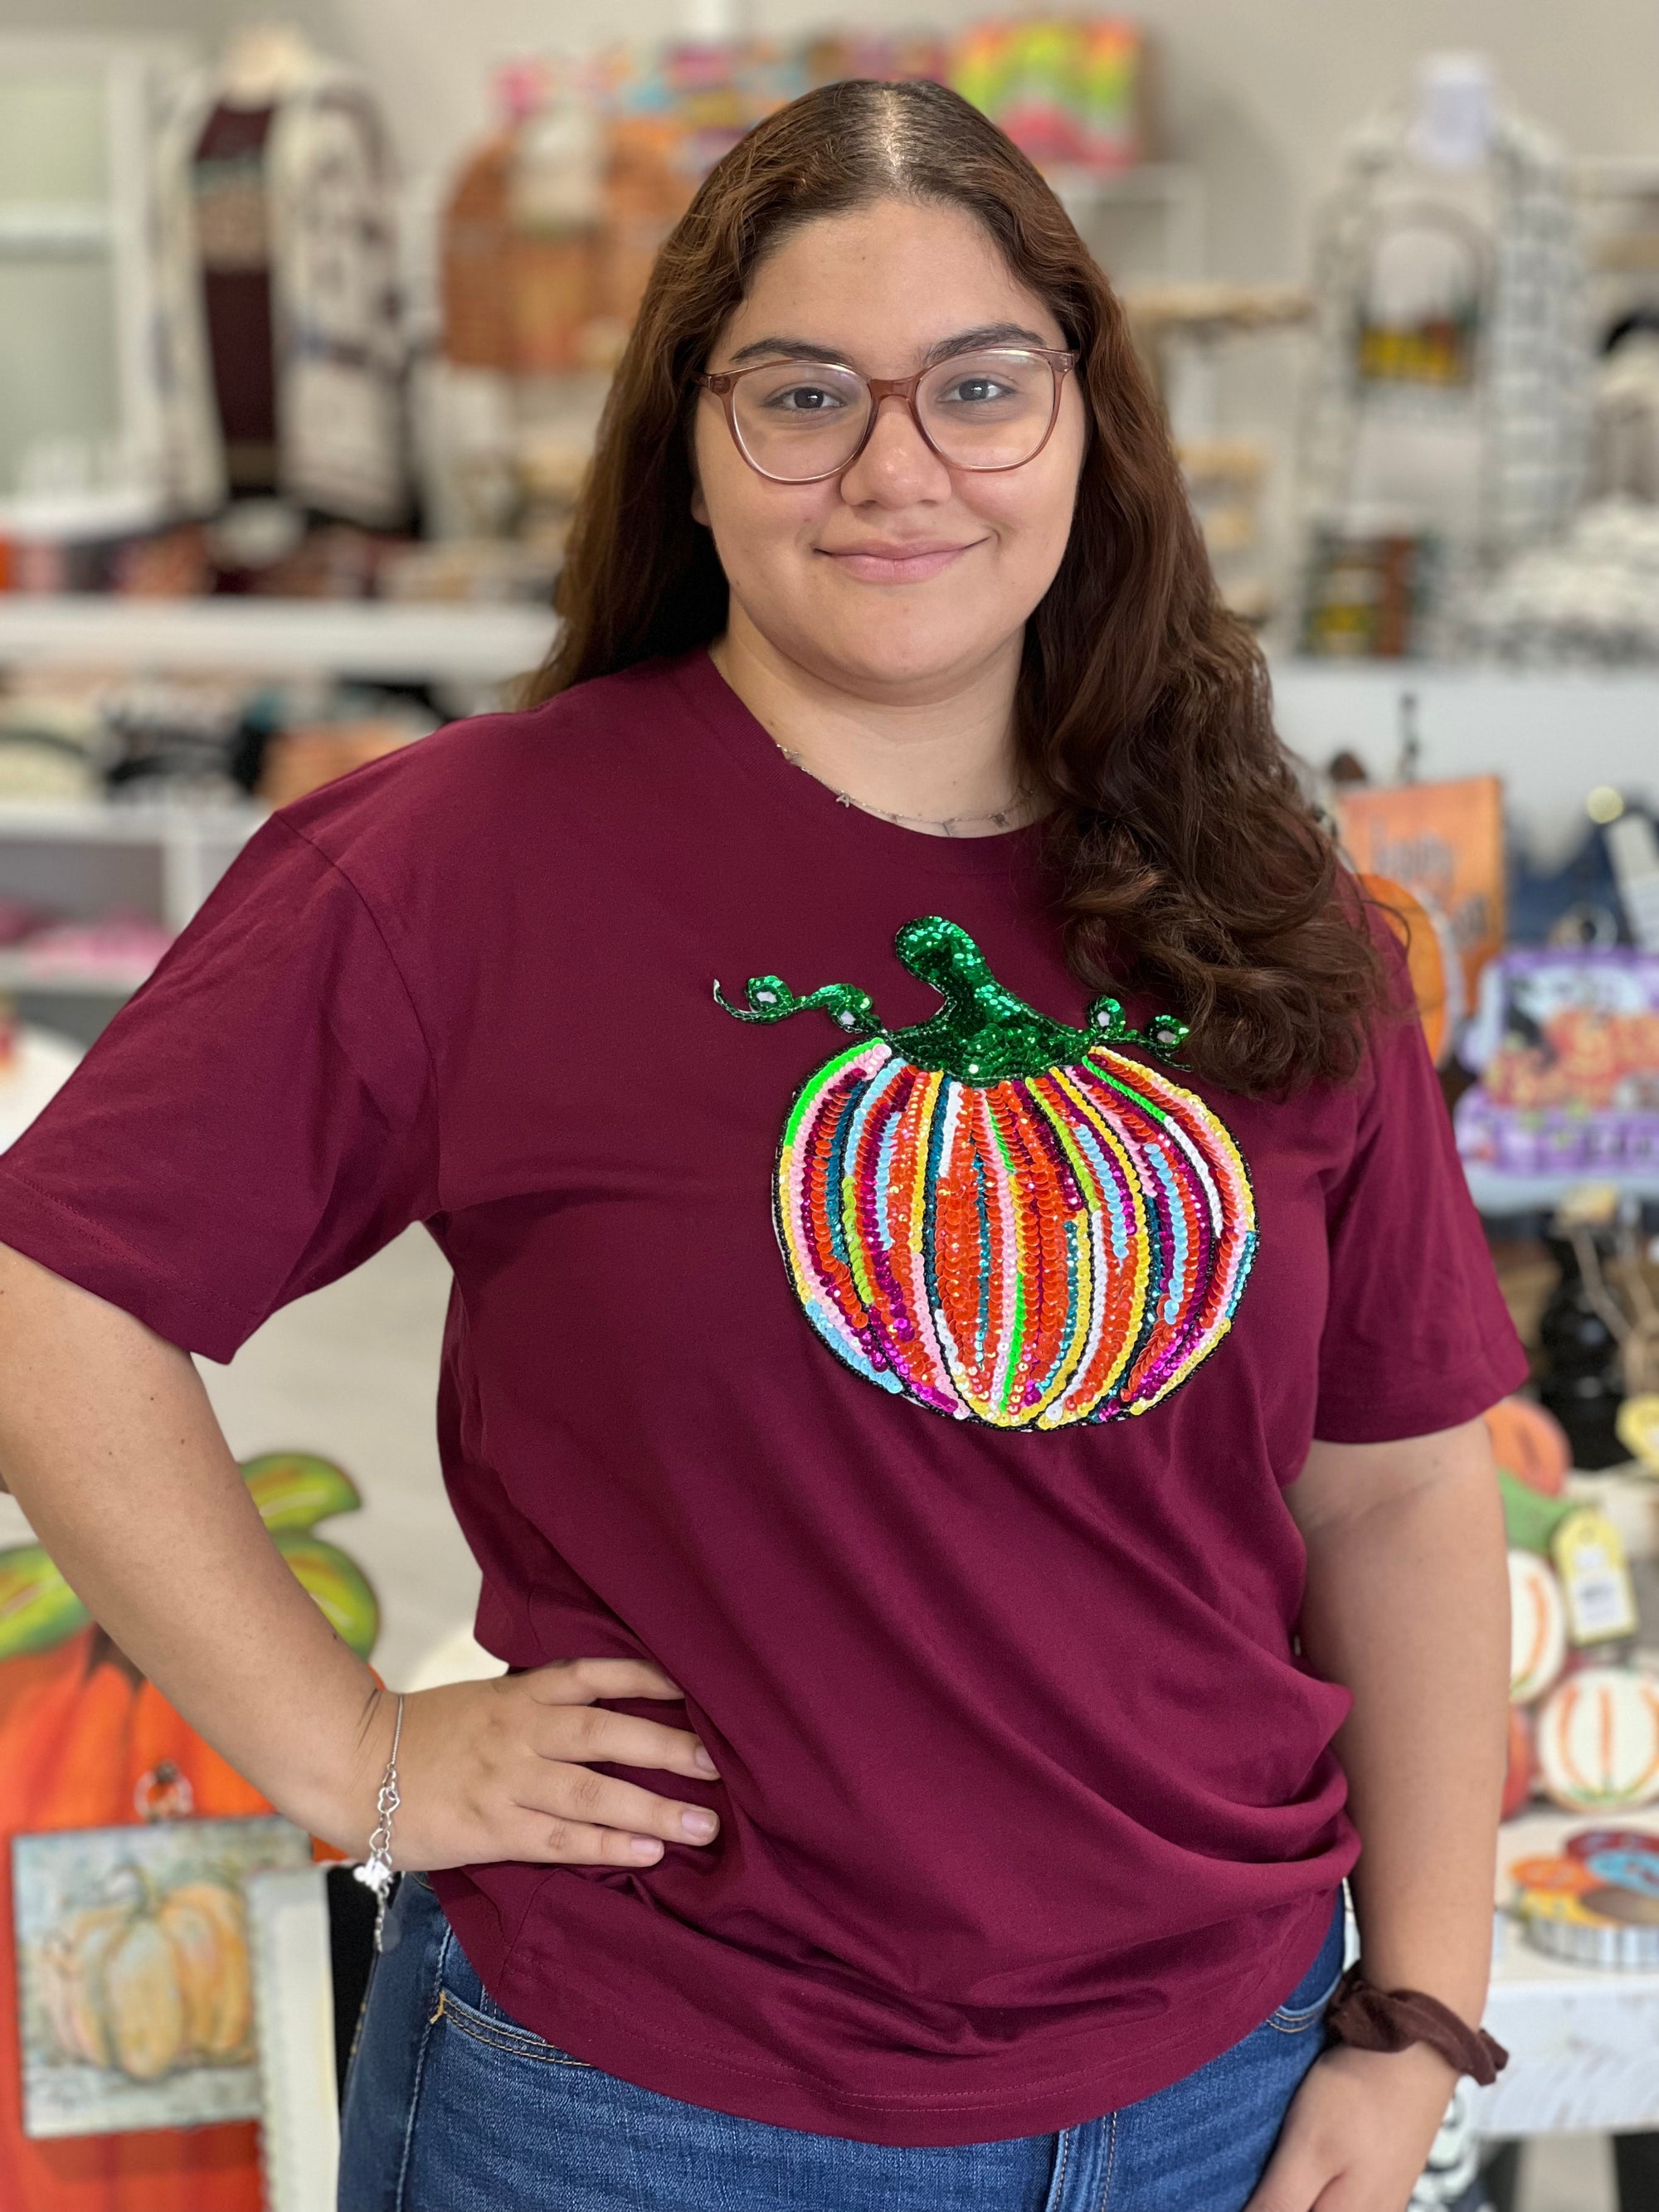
(350, 1373)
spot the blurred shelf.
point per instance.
(193, 842)
(105, 822)
(1584, 2041)
(24, 976)
(407, 642)
(1497, 1194)
(1366, 673)
(55, 229)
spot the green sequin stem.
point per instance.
(982, 1036)
(770, 998)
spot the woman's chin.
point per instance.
(864, 658)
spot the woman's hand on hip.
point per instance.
(505, 1770)
(1359, 2132)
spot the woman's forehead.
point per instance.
(886, 288)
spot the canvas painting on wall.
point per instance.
(1443, 843)
(136, 1985)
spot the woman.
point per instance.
(995, 1857)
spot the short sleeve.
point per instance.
(256, 1121)
(1416, 1336)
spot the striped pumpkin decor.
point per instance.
(1538, 1627)
(1000, 1217)
(1598, 1740)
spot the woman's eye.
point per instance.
(805, 399)
(974, 390)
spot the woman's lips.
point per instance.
(896, 564)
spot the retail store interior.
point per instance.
(309, 321)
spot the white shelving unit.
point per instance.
(401, 642)
(156, 860)
(159, 858)
(77, 296)
(193, 845)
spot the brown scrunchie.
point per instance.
(1392, 2020)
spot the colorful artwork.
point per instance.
(1443, 842)
(1000, 1217)
(1429, 957)
(1067, 89)
(86, 1743)
(1567, 1044)
(137, 2003)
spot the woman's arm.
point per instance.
(109, 1442)
(1407, 1606)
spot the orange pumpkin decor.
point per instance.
(1538, 1627)
(87, 1742)
(1530, 1444)
(1427, 954)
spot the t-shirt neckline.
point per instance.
(751, 747)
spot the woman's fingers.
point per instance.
(589, 1733)
(579, 1728)
(579, 1681)
(577, 1795)
(543, 1841)
(510, 1768)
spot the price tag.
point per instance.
(1594, 1575)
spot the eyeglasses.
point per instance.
(798, 422)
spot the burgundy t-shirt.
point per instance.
(913, 1374)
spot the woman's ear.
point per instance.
(699, 504)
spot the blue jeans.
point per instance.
(451, 2106)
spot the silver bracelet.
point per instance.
(376, 1873)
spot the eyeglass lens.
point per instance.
(983, 411)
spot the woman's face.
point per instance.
(902, 576)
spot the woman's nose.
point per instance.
(899, 466)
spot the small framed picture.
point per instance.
(136, 1978)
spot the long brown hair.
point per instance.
(1187, 861)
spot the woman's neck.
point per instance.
(943, 760)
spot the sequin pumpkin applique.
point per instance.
(1001, 1218)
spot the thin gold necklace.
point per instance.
(946, 826)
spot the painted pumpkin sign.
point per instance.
(156, 1979)
(997, 1217)
(146, 1982)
